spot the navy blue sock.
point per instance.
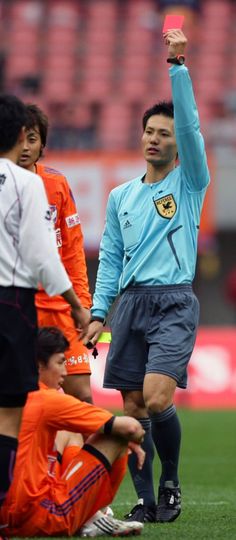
(143, 480)
(166, 434)
(8, 448)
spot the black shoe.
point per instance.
(169, 503)
(142, 513)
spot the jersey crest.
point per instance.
(53, 212)
(166, 206)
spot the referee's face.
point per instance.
(31, 150)
(158, 141)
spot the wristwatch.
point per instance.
(179, 59)
(100, 319)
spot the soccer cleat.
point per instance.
(169, 503)
(142, 513)
(109, 526)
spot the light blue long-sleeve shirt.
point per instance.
(151, 230)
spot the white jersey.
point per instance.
(28, 251)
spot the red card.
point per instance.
(172, 22)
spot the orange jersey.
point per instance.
(45, 412)
(69, 239)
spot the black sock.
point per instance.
(143, 480)
(8, 448)
(166, 434)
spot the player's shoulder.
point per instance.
(52, 395)
(130, 185)
(22, 176)
(51, 173)
(127, 189)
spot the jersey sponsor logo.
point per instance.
(166, 206)
(58, 237)
(75, 360)
(2, 180)
(73, 220)
(53, 210)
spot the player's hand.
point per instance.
(140, 454)
(129, 428)
(94, 330)
(81, 318)
(176, 42)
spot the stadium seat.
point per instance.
(115, 123)
(63, 13)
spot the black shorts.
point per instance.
(18, 334)
(153, 331)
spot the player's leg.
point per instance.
(125, 370)
(113, 453)
(10, 419)
(166, 433)
(18, 372)
(145, 509)
(68, 445)
(78, 385)
(87, 485)
(77, 382)
(170, 337)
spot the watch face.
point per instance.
(181, 59)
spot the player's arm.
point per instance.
(190, 143)
(111, 256)
(109, 271)
(37, 244)
(65, 412)
(38, 249)
(73, 255)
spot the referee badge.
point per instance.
(166, 206)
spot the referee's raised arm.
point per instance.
(190, 143)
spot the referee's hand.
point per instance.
(95, 329)
(176, 42)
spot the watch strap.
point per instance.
(178, 60)
(99, 319)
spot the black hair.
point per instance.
(36, 117)
(12, 119)
(165, 108)
(50, 341)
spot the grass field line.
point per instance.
(188, 503)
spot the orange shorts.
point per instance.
(77, 358)
(85, 487)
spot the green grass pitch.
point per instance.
(208, 481)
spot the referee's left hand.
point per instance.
(176, 42)
(95, 328)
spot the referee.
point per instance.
(148, 254)
(28, 256)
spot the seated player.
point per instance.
(51, 347)
(39, 504)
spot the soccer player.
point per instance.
(28, 254)
(50, 353)
(148, 254)
(39, 504)
(54, 311)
